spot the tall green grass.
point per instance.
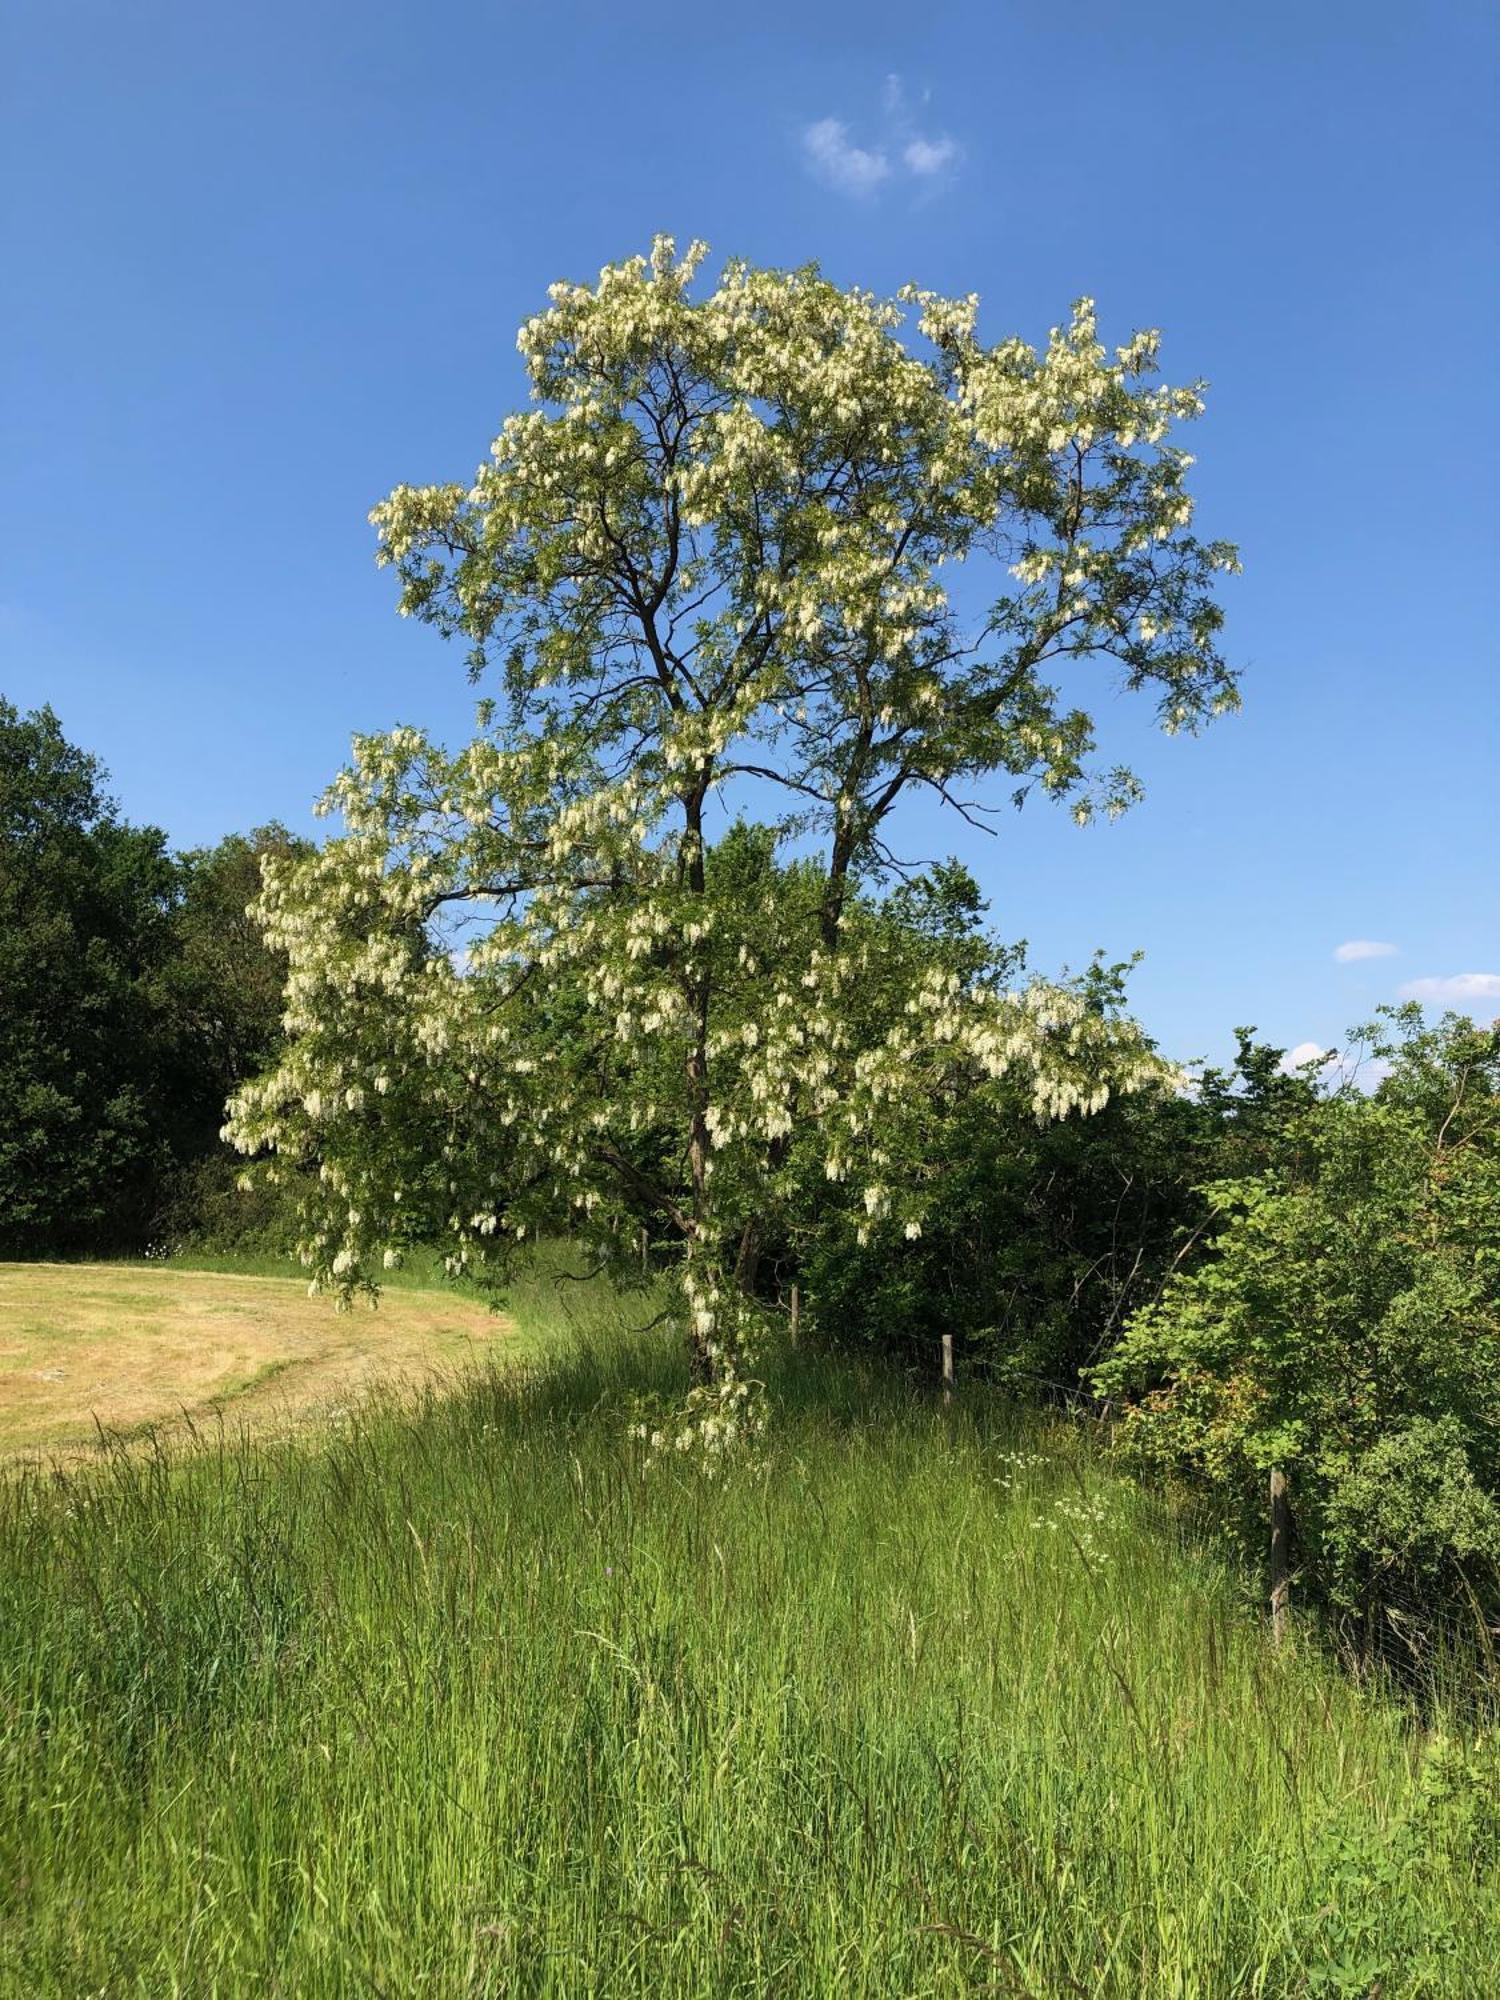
(465, 1702)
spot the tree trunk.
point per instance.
(747, 1261)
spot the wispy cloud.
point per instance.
(834, 158)
(903, 149)
(930, 156)
(1461, 989)
(1358, 948)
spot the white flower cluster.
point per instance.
(1080, 1522)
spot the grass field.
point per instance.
(457, 1700)
(123, 1346)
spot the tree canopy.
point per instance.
(705, 581)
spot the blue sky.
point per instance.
(262, 263)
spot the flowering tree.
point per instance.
(705, 574)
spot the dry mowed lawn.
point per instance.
(128, 1345)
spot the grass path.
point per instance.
(131, 1345)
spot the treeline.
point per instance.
(135, 992)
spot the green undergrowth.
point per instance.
(463, 1700)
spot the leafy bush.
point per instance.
(1344, 1324)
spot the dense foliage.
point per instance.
(223, 995)
(1046, 1236)
(85, 928)
(134, 993)
(1343, 1323)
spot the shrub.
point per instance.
(1344, 1324)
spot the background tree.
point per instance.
(706, 574)
(229, 986)
(135, 993)
(219, 1021)
(85, 931)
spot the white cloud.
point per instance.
(1305, 1052)
(836, 159)
(1460, 990)
(929, 156)
(1357, 948)
(901, 151)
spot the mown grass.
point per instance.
(91, 1347)
(464, 1702)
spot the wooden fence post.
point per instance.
(1281, 1556)
(948, 1374)
(796, 1310)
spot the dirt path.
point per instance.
(126, 1345)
